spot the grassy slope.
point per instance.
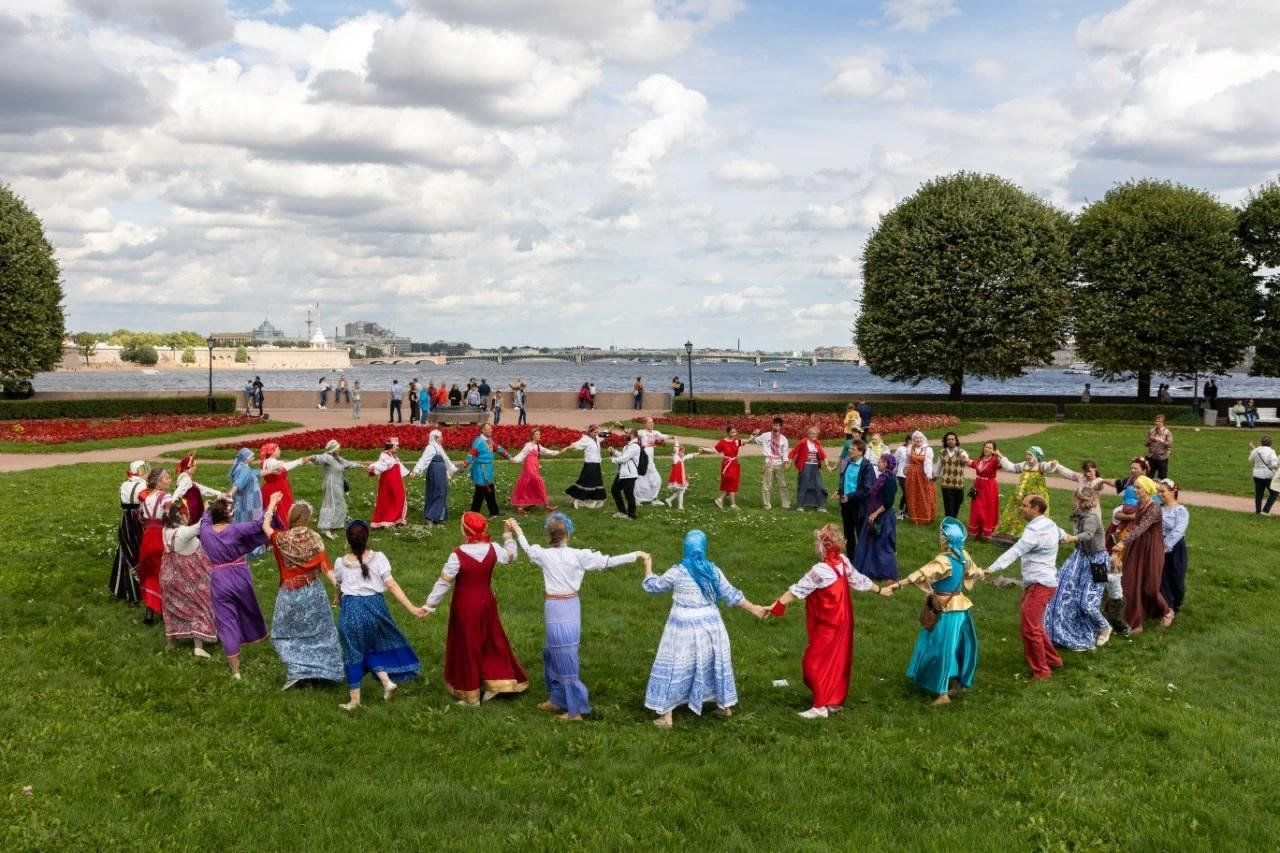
(160, 438)
(1167, 739)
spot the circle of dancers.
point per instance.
(183, 552)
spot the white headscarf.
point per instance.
(918, 439)
(434, 437)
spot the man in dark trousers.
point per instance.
(856, 477)
(413, 400)
(397, 394)
(864, 415)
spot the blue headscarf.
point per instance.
(955, 534)
(1130, 496)
(702, 570)
(559, 516)
(241, 475)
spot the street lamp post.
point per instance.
(210, 341)
(688, 357)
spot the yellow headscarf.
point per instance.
(1147, 485)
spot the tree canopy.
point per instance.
(968, 277)
(1164, 287)
(30, 290)
(1259, 232)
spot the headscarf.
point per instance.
(890, 466)
(955, 534)
(241, 475)
(137, 469)
(917, 439)
(434, 437)
(269, 449)
(186, 462)
(1146, 484)
(392, 444)
(558, 516)
(1036, 451)
(475, 527)
(702, 570)
(332, 446)
(832, 552)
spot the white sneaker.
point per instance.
(719, 502)
(201, 653)
(389, 690)
(487, 695)
(577, 504)
(235, 676)
(822, 509)
(619, 515)
(658, 502)
(289, 684)
(814, 714)
(1104, 635)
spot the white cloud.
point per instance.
(841, 267)
(1141, 25)
(193, 23)
(918, 15)
(747, 300)
(744, 171)
(678, 119)
(988, 69)
(870, 76)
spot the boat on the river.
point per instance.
(1079, 368)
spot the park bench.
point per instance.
(458, 415)
(1268, 416)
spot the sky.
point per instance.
(579, 172)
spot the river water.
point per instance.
(610, 376)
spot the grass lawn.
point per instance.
(1167, 740)
(159, 438)
(1213, 459)
(963, 428)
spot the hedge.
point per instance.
(962, 410)
(680, 406)
(111, 407)
(1128, 412)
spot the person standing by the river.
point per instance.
(864, 414)
(414, 403)
(355, 400)
(342, 392)
(257, 394)
(397, 395)
(637, 394)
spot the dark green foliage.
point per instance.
(30, 290)
(1259, 231)
(968, 277)
(680, 406)
(110, 407)
(242, 355)
(1165, 286)
(1121, 412)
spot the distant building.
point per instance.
(267, 332)
(363, 334)
(848, 353)
(234, 339)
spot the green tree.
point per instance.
(1164, 284)
(968, 277)
(144, 354)
(242, 355)
(188, 356)
(31, 290)
(1259, 231)
(86, 345)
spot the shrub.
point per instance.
(111, 407)
(144, 354)
(889, 408)
(242, 355)
(710, 407)
(1128, 412)
(188, 356)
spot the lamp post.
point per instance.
(210, 341)
(688, 357)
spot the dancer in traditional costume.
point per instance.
(437, 469)
(727, 449)
(829, 621)
(123, 583)
(877, 553)
(1122, 519)
(530, 489)
(333, 508)
(302, 628)
(1141, 556)
(984, 508)
(371, 641)
(1074, 617)
(187, 490)
(153, 504)
(480, 464)
(774, 446)
(650, 484)
(876, 448)
(275, 478)
(1087, 476)
(1175, 518)
(678, 478)
(900, 454)
(563, 569)
(1032, 482)
(694, 665)
(922, 500)
(392, 505)
(246, 494)
(478, 661)
(948, 470)
(624, 482)
(184, 582)
(809, 457)
(588, 490)
(945, 656)
(236, 613)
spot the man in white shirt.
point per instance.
(1038, 548)
(774, 445)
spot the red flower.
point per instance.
(414, 436)
(65, 430)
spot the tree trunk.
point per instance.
(1144, 385)
(957, 389)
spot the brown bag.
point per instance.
(929, 613)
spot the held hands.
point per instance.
(419, 612)
(276, 497)
(511, 526)
(888, 589)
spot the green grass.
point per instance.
(963, 428)
(149, 440)
(1205, 460)
(1168, 740)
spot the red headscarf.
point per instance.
(475, 527)
(186, 463)
(269, 449)
(832, 553)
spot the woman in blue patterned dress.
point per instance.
(302, 628)
(693, 664)
(246, 493)
(1073, 619)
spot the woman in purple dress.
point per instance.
(235, 607)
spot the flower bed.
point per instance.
(412, 436)
(69, 430)
(796, 424)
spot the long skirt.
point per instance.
(435, 501)
(877, 556)
(123, 584)
(1012, 522)
(390, 508)
(371, 642)
(984, 510)
(304, 636)
(827, 663)
(648, 486)
(1143, 571)
(530, 488)
(247, 506)
(922, 498)
(590, 485)
(1173, 581)
(188, 601)
(150, 555)
(809, 489)
(333, 507)
(235, 608)
(730, 475)
(560, 656)
(477, 654)
(1074, 617)
(949, 651)
(693, 664)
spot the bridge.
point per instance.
(613, 357)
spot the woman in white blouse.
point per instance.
(563, 569)
(1265, 466)
(624, 484)
(588, 491)
(437, 466)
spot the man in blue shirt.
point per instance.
(480, 463)
(856, 478)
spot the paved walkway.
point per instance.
(572, 418)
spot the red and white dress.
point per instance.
(152, 506)
(530, 488)
(677, 480)
(275, 478)
(730, 469)
(828, 609)
(193, 494)
(392, 506)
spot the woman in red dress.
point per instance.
(392, 505)
(153, 505)
(984, 510)
(531, 489)
(275, 478)
(828, 608)
(730, 470)
(478, 661)
(922, 498)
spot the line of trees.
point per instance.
(972, 276)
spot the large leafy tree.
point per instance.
(30, 291)
(1260, 234)
(1165, 286)
(968, 277)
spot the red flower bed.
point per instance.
(66, 430)
(414, 437)
(796, 425)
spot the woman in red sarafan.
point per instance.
(730, 469)
(478, 661)
(275, 478)
(531, 489)
(984, 508)
(392, 505)
(153, 504)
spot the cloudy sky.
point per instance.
(582, 171)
